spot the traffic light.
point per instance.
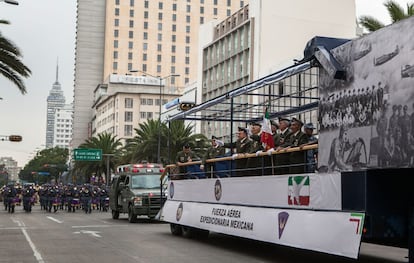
(15, 138)
(184, 106)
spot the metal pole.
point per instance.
(107, 170)
(159, 125)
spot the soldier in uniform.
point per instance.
(254, 164)
(243, 145)
(216, 150)
(297, 138)
(281, 160)
(184, 156)
(405, 133)
(382, 136)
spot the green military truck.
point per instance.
(135, 189)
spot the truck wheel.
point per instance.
(188, 231)
(115, 214)
(176, 230)
(132, 218)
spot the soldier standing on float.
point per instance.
(281, 160)
(215, 150)
(296, 139)
(254, 162)
(243, 146)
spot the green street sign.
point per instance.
(81, 154)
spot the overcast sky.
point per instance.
(44, 30)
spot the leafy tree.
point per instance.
(395, 11)
(110, 146)
(144, 146)
(51, 160)
(11, 66)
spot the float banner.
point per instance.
(333, 232)
(367, 120)
(304, 191)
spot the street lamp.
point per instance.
(159, 111)
(11, 2)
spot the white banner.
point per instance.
(332, 232)
(305, 191)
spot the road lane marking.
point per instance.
(91, 226)
(54, 219)
(22, 227)
(92, 233)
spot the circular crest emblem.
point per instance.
(217, 190)
(179, 212)
(171, 190)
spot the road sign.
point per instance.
(82, 154)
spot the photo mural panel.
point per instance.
(367, 120)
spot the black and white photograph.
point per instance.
(367, 119)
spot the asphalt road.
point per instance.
(77, 237)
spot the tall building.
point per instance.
(9, 169)
(55, 101)
(159, 38)
(263, 37)
(63, 126)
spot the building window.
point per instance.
(116, 22)
(116, 33)
(187, 29)
(186, 80)
(241, 3)
(173, 38)
(129, 103)
(145, 25)
(128, 116)
(149, 115)
(145, 14)
(159, 58)
(159, 47)
(130, 44)
(188, 19)
(115, 54)
(131, 13)
(188, 8)
(201, 9)
(215, 2)
(173, 70)
(144, 57)
(131, 3)
(159, 16)
(131, 23)
(174, 17)
(173, 48)
(160, 26)
(187, 39)
(215, 11)
(145, 46)
(187, 60)
(174, 7)
(187, 50)
(187, 70)
(144, 67)
(174, 28)
(201, 1)
(158, 68)
(160, 5)
(143, 101)
(228, 12)
(201, 20)
(159, 37)
(117, 11)
(146, 4)
(228, 2)
(115, 43)
(150, 101)
(117, 2)
(172, 59)
(131, 34)
(128, 130)
(130, 55)
(145, 35)
(115, 65)
(143, 115)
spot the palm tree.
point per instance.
(395, 11)
(110, 147)
(144, 145)
(11, 66)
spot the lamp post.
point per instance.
(159, 110)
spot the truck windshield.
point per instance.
(146, 181)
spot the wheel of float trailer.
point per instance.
(192, 232)
(176, 230)
(115, 214)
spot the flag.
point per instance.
(299, 190)
(266, 137)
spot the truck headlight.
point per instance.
(137, 201)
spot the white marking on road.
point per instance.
(92, 233)
(91, 226)
(54, 219)
(36, 253)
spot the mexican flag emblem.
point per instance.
(299, 191)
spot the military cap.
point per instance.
(309, 126)
(298, 121)
(256, 123)
(187, 145)
(283, 119)
(243, 130)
